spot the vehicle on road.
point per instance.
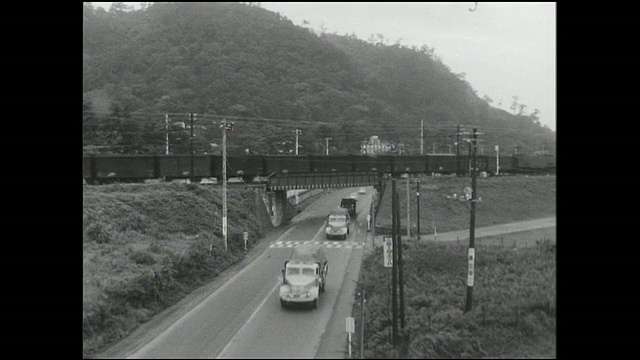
(338, 222)
(349, 204)
(362, 191)
(304, 276)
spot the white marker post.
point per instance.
(497, 160)
(351, 327)
(388, 251)
(245, 237)
(472, 255)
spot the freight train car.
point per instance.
(320, 163)
(505, 164)
(123, 168)
(409, 164)
(533, 164)
(172, 167)
(245, 166)
(277, 164)
(443, 163)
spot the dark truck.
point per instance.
(349, 204)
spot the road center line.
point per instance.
(248, 320)
(182, 319)
(260, 306)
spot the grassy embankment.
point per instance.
(514, 296)
(504, 199)
(146, 246)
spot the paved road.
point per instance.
(239, 315)
(487, 230)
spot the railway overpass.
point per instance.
(277, 186)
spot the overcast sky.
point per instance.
(505, 49)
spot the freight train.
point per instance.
(102, 169)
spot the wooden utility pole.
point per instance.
(418, 206)
(472, 227)
(394, 276)
(166, 134)
(400, 280)
(362, 326)
(191, 172)
(421, 137)
(458, 151)
(408, 209)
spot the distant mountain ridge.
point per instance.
(242, 61)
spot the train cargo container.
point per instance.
(279, 164)
(323, 163)
(179, 166)
(125, 167)
(245, 166)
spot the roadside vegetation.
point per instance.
(514, 303)
(514, 294)
(146, 246)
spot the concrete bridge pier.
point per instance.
(279, 208)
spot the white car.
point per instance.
(362, 191)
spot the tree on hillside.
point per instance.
(534, 116)
(523, 109)
(234, 59)
(514, 103)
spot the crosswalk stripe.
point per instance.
(328, 245)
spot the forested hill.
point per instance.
(270, 76)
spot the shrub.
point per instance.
(142, 258)
(98, 233)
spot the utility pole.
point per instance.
(472, 227)
(497, 159)
(225, 127)
(362, 331)
(418, 205)
(458, 151)
(394, 275)
(191, 172)
(400, 280)
(166, 134)
(408, 210)
(421, 137)
(327, 140)
(449, 148)
(469, 160)
(297, 133)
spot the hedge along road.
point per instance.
(241, 315)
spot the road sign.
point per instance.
(468, 192)
(351, 324)
(472, 256)
(388, 251)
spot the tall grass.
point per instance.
(514, 303)
(147, 246)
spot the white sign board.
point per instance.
(467, 192)
(472, 258)
(351, 324)
(388, 251)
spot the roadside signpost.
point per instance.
(388, 251)
(351, 327)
